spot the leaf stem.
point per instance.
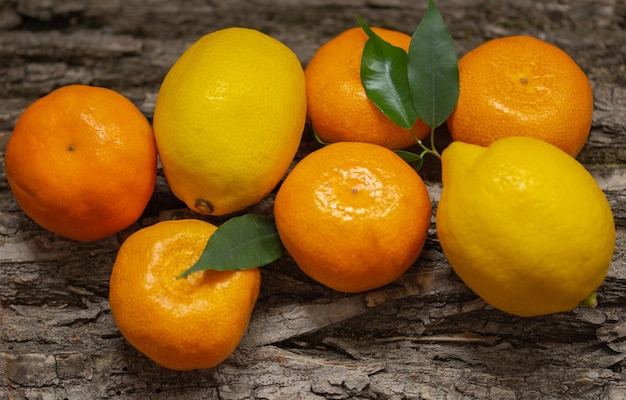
(432, 144)
(426, 150)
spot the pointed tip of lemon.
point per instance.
(591, 301)
(204, 206)
(459, 157)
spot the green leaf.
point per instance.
(433, 69)
(243, 242)
(415, 160)
(317, 138)
(385, 79)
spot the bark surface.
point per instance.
(425, 337)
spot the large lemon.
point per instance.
(228, 119)
(524, 225)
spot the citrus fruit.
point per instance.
(353, 216)
(338, 106)
(228, 119)
(522, 86)
(81, 162)
(524, 225)
(179, 323)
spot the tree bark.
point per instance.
(427, 336)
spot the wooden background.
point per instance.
(425, 337)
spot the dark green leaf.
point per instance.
(415, 160)
(317, 138)
(243, 242)
(385, 79)
(433, 69)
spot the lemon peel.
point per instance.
(524, 225)
(228, 119)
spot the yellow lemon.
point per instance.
(524, 225)
(228, 119)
